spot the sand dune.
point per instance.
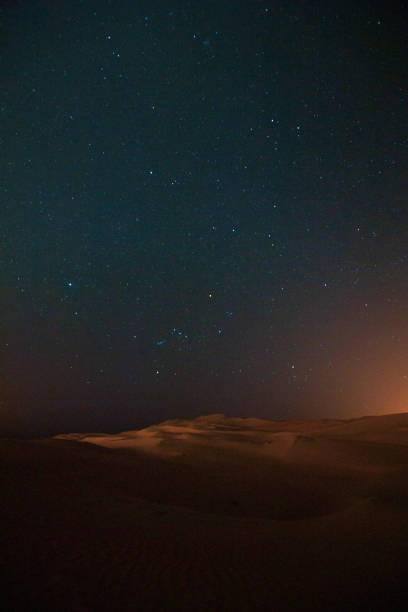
(214, 513)
(293, 441)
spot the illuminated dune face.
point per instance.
(307, 441)
(180, 437)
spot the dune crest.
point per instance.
(296, 440)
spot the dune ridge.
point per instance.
(280, 439)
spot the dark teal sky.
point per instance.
(203, 208)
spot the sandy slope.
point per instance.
(210, 514)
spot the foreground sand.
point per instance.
(210, 514)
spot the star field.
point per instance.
(204, 208)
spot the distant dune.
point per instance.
(294, 441)
(213, 513)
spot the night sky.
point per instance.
(203, 209)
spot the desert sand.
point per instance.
(213, 513)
